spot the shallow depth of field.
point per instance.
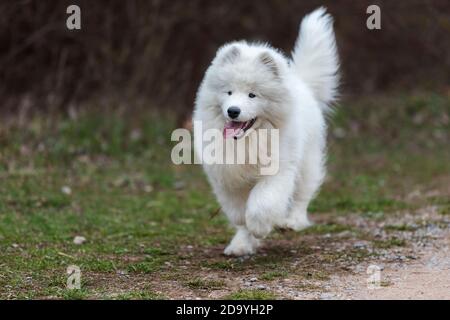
(150, 227)
(86, 177)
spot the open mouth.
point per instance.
(237, 129)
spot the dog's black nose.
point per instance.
(233, 112)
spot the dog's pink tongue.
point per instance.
(232, 129)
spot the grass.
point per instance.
(400, 227)
(221, 265)
(317, 275)
(74, 294)
(203, 284)
(327, 228)
(444, 210)
(272, 275)
(251, 295)
(390, 243)
(385, 284)
(139, 212)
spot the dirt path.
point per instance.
(425, 278)
(415, 265)
(419, 272)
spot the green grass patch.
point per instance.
(223, 265)
(385, 284)
(145, 267)
(400, 227)
(444, 209)
(272, 275)
(74, 294)
(317, 275)
(390, 243)
(327, 228)
(205, 284)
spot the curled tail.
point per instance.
(315, 56)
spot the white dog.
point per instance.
(253, 86)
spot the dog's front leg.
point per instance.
(268, 202)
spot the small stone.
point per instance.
(254, 279)
(135, 135)
(121, 182)
(343, 234)
(359, 245)
(79, 240)
(15, 245)
(178, 185)
(261, 287)
(148, 188)
(66, 190)
(326, 296)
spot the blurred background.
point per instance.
(157, 51)
(85, 145)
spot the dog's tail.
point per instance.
(315, 56)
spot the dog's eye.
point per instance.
(251, 95)
(230, 93)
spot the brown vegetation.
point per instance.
(158, 50)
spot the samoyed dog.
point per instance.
(252, 86)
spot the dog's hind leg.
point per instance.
(309, 180)
(243, 243)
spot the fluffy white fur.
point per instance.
(292, 95)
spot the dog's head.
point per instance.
(246, 84)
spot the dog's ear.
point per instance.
(268, 61)
(230, 55)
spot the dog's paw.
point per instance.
(297, 222)
(240, 248)
(242, 244)
(258, 228)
